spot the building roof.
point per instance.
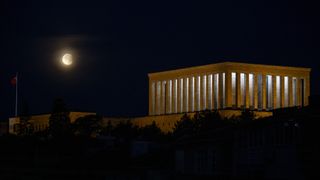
(231, 66)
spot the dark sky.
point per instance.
(116, 43)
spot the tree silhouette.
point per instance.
(207, 120)
(107, 130)
(183, 127)
(87, 126)
(126, 131)
(246, 116)
(201, 122)
(59, 121)
(26, 127)
(151, 132)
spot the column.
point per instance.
(197, 94)
(264, 94)
(228, 90)
(163, 97)
(274, 92)
(238, 91)
(191, 93)
(282, 91)
(175, 96)
(186, 94)
(209, 91)
(214, 90)
(290, 91)
(200, 85)
(221, 91)
(307, 90)
(169, 97)
(255, 90)
(150, 98)
(180, 95)
(247, 102)
(298, 91)
(158, 98)
(203, 92)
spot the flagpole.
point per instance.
(16, 110)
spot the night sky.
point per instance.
(116, 43)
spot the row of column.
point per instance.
(221, 90)
(274, 91)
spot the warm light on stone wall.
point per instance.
(260, 87)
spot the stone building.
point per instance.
(40, 122)
(228, 85)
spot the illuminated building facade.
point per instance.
(41, 122)
(228, 85)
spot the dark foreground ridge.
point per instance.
(205, 146)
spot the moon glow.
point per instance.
(67, 59)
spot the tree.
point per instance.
(26, 127)
(151, 132)
(108, 129)
(246, 116)
(59, 121)
(201, 121)
(208, 120)
(125, 130)
(184, 126)
(87, 126)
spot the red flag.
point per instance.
(14, 80)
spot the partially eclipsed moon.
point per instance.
(67, 59)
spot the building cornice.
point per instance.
(230, 66)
